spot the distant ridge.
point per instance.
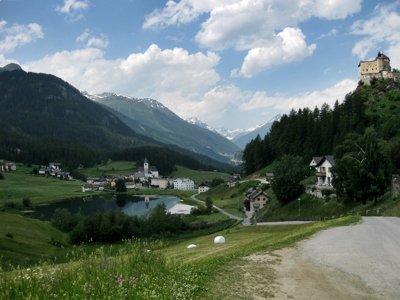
(151, 118)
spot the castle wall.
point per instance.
(378, 68)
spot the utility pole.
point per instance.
(299, 205)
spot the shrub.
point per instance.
(120, 186)
(209, 203)
(9, 235)
(26, 202)
(1, 176)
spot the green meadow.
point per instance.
(111, 168)
(229, 198)
(39, 189)
(25, 241)
(155, 270)
(198, 176)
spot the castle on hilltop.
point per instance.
(377, 68)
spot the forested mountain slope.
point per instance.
(149, 117)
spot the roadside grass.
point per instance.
(111, 168)
(25, 241)
(39, 189)
(229, 198)
(311, 208)
(140, 271)
(198, 176)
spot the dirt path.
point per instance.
(353, 262)
(300, 278)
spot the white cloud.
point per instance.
(73, 8)
(289, 46)
(91, 41)
(180, 12)
(243, 23)
(381, 30)
(17, 35)
(153, 73)
(330, 33)
(260, 99)
(257, 26)
(213, 104)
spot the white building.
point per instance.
(161, 183)
(184, 184)
(203, 188)
(147, 171)
(323, 167)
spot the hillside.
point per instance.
(43, 119)
(42, 113)
(149, 117)
(362, 132)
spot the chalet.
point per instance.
(146, 171)
(54, 169)
(323, 167)
(184, 184)
(254, 200)
(203, 187)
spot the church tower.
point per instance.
(146, 166)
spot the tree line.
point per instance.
(362, 132)
(109, 227)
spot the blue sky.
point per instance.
(231, 63)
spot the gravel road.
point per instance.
(369, 251)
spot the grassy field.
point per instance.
(198, 176)
(229, 198)
(111, 168)
(140, 271)
(311, 208)
(40, 189)
(25, 241)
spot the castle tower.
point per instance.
(377, 68)
(146, 166)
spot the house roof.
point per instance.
(316, 159)
(329, 158)
(381, 55)
(203, 184)
(255, 193)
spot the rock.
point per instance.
(219, 240)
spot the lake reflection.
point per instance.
(130, 205)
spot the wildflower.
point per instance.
(132, 280)
(119, 279)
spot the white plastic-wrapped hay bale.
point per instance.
(219, 240)
(191, 246)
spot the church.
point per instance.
(146, 171)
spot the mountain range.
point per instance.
(150, 118)
(43, 118)
(240, 137)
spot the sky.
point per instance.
(230, 63)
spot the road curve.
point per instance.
(194, 198)
(369, 250)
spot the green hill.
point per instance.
(25, 241)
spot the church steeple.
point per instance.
(146, 166)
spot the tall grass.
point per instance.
(141, 270)
(136, 273)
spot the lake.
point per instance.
(130, 205)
